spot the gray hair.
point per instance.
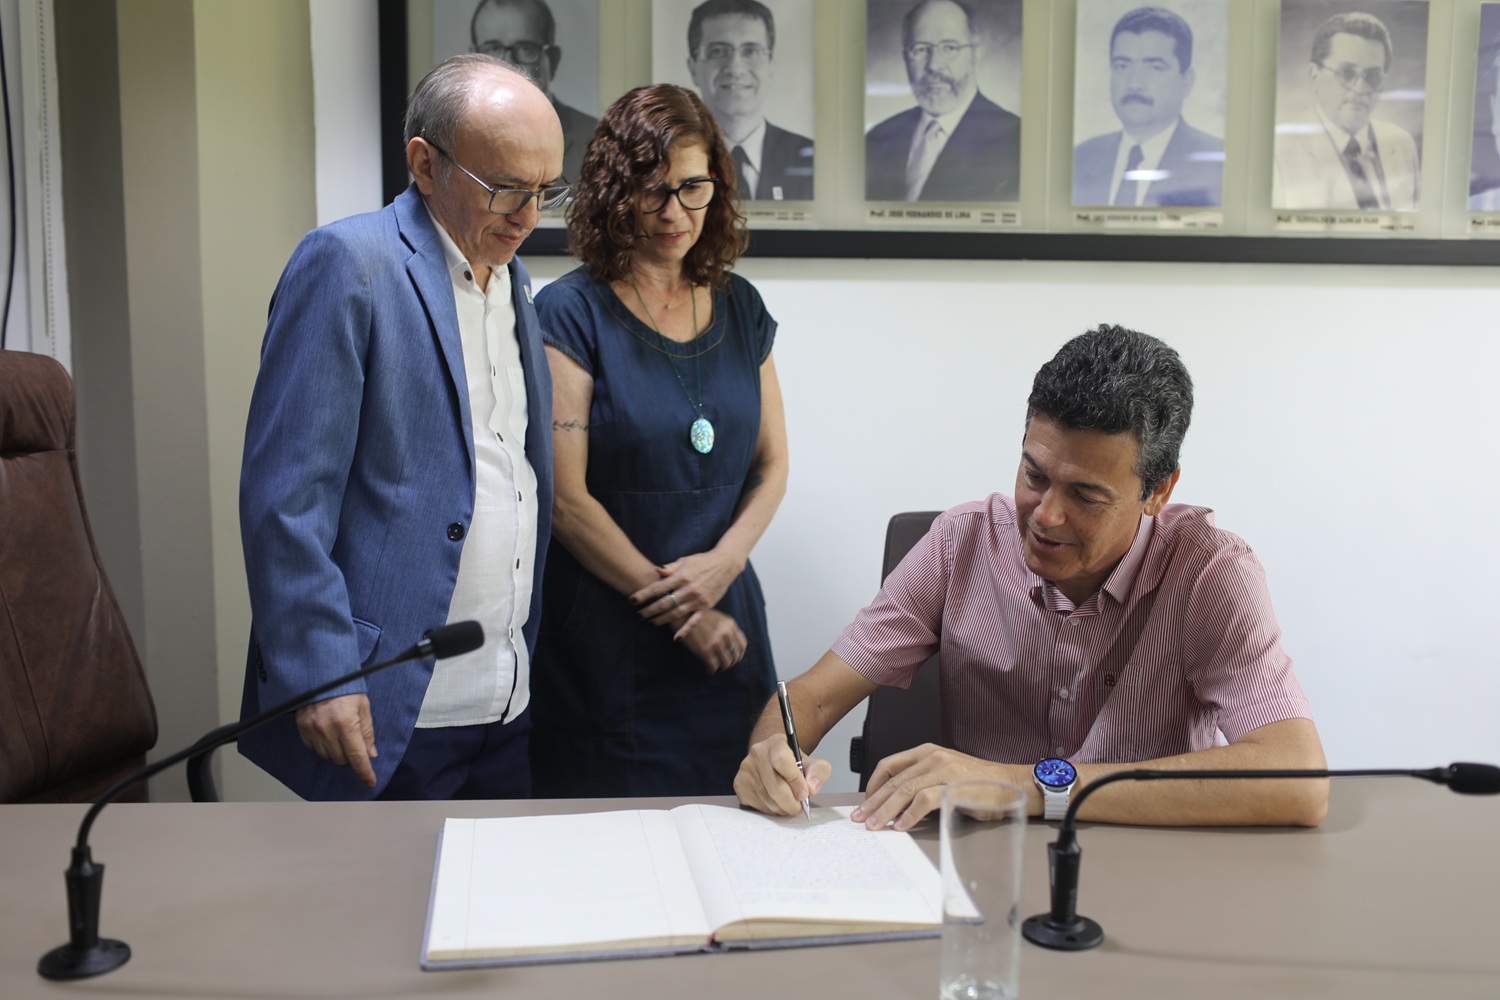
(437, 108)
(1116, 381)
(909, 22)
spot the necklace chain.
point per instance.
(697, 358)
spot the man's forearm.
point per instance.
(1292, 744)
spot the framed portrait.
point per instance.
(1484, 150)
(1148, 103)
(893, 128)
(1351, 92)
(942, 101)
(555, 42)
(752, 63)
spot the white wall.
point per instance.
(1341, 427)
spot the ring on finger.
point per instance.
(673, 596)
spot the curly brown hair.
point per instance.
(627, 155)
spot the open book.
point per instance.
(654, 882)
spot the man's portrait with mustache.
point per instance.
(956, 144)
(1155, 158)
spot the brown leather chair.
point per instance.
(897, 720)
(75, 712)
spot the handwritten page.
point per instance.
(549, 884)
(827, 869)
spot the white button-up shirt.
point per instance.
(499, 547)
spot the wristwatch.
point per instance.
(1056, 778)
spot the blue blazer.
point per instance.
(1194, 161)
(981, 160)
(357, 485)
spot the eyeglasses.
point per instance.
(753, 53)
(693, 194)
(922, 51)
(508, 201)
(1348, 74)
(520, 53)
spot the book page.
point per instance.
(536, 885)
(826, 872)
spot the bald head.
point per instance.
(474, 125)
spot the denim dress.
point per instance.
(619, 708)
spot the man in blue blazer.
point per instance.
(1157, 158)
(956, 144)
(397, 471)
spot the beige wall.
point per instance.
(214, 141)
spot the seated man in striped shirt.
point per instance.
(1086, 620)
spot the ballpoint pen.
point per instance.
(791, 741)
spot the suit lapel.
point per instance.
(428, 270)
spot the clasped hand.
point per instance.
(688, 586)
(715, 638)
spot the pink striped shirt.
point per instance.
(1178, 644)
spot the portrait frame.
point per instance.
(1445, 232)
(1310, 178)
(792, 61)
(1203, 107)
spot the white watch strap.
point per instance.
(1055, 802)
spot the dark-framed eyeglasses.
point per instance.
(520, 53)
(508, 201)
(922, 51)
(693, 194)
(753, 53)
(1348, 75)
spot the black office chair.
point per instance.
(897, 720)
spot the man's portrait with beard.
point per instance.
(1351, 87)
(1159, 139)
(960, 63)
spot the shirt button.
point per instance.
(1073, 622)
(1062, 693)
(468, 276)
(1058, 750)
(455, 532)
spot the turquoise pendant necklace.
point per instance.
(701, 433)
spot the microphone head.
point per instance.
(455, 639)
(1474, 779)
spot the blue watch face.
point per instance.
(1055, 772)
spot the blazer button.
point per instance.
(455, 531)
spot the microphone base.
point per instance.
(68, 962)
(1080, 934)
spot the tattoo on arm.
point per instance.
(569, 425)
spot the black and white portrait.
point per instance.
(1484, 159)
(555, 42)
(1350, 93)
(942, 100)
(1159, 138)
(752, 63)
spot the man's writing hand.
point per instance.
(341, 730)
(768, 779)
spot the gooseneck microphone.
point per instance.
(86, 953)
(1063, 929)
